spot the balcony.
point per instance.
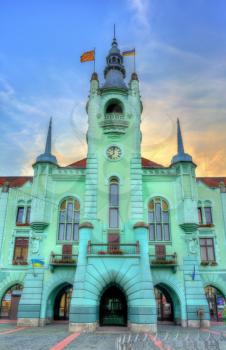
(114, 122)
(113, 249)
(164, 261)
(57, 260)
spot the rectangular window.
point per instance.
(151, 232)
(166, 232)
(76, 232)
(158, 212)
(113, 218)
(207, 249)
(20, 215)
(200, 216)
(28, 214)
(61, 232)
(20, 251)
(151, 216)
(114, 198)
(159, 232)
(208, 215)
(68, 232)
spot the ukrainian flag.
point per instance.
(37, 263)
(129, 53)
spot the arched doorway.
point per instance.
(164, 304)
(62, 303)
(113, 307)
(10, 302)
(216, 302)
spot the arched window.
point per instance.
(114, 106)
(69, 216)
(158, 218)
(114, 203)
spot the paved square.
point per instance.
(57, 337)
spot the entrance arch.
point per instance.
(62, 303)
(58, 303)
(10, 302)
(216, 302)
(167, 304)
(113, 307)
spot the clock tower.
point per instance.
(113, 237)
(114, 115)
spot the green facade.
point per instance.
(135, 268)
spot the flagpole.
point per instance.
(94, 61)
(134, 61)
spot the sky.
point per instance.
(181, 64)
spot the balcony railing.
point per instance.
(120, 249)
(62, 259)
(114, 116)
(164, 261)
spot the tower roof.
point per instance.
(114, 72)
(181, 156)
(47, 156)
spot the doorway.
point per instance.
(113, 307)
(10, 302)
(62, 303)
(216, 302)
(164, 304)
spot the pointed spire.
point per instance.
(180, 146)
(47, 156)
(49, 138)
(181, 156)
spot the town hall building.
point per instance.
(113, 239)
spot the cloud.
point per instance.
(141, 11)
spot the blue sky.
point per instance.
(181, 63)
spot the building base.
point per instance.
(82, 327)
(142, 328)
(28, 322)
(198, 323)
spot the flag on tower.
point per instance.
(129, 53)
(87, 56)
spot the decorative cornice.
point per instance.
(86, 225)
(140, 224)
(189, 227)
(39, 226)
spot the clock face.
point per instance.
(114, 152)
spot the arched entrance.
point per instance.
(216, 302)
(10, 302)
(164, 304)
(113, 307)
(62, 303)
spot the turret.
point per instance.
(114, 72)
(47, 156)
(187, 193)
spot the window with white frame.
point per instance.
(114, 203)
(158, 218)
(205, 216)
(23, 213)
(207, 251)
(69, 216)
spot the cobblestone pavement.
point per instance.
(168, 338)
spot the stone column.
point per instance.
(142, 307)
(29, 311)
(194, 290)
(83, 310)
